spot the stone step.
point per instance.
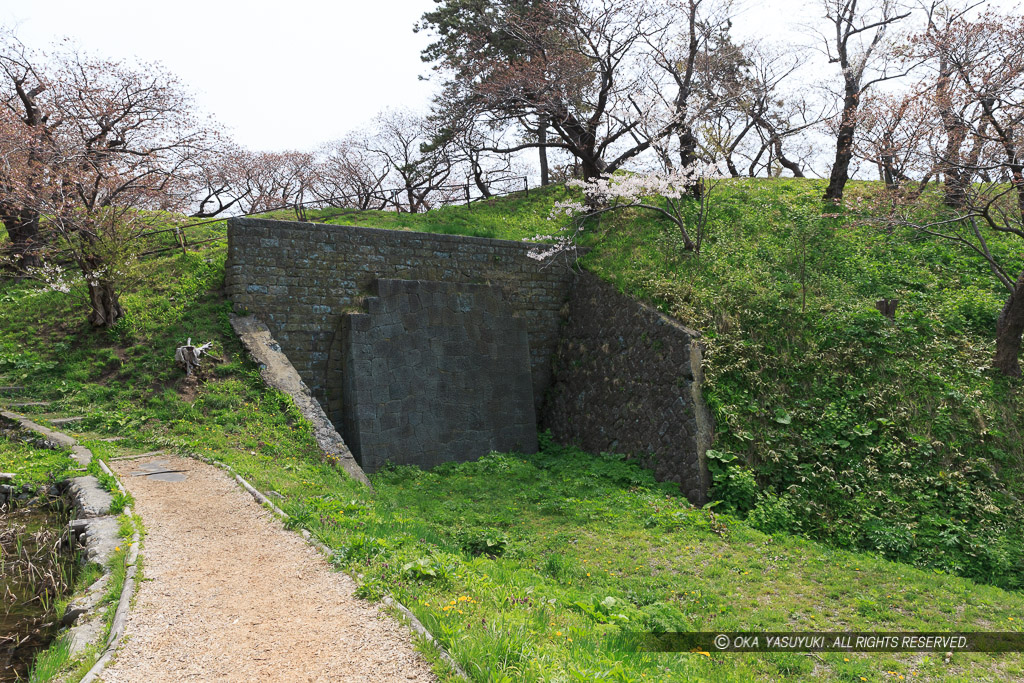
(90, 499)
(65, 420)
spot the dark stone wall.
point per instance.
(435, 372)
(299, 278)
(627, 380)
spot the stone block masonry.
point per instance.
(627, 380)
(435, 372)
(299, 278)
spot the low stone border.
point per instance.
(100, 530)
(414, 622)
(124, 603)
(80, 453)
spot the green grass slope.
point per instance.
(831, 422)
(862, 435)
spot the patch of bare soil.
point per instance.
(188, 388)
(230, 595)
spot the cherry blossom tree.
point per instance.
(25, 117)
(668, 195)
(104, 152)
(607, 78)
(978, 88)
(898, 135)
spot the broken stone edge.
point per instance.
(278, 373)
(414, 623)
(93, 505)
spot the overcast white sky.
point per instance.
(282, 74)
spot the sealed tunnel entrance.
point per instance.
(435, 372)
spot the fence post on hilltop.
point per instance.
(467, 195)
(526, 185)
(181, 239)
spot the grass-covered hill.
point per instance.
(854, 448)
(833, 423)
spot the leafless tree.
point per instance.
(857, 40)
(982, 96)
(350, 176)
(468, 140)
(766, 117)
(400, 138)
(218, 178)
(272, 180)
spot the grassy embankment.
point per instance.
(888, 437)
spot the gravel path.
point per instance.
(230, 595)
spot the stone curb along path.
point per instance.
(100, 530)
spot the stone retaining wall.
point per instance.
(435, 372)
(627, 380)
(299, 278)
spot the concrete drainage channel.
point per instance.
(98, 528)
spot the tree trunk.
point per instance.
(956, 176)
(23, 230)
(844, 145)
(479, 180)
(793, 167)
(687, 147)
(733, 171)
(591, 169)
(1009, 329)
(106, 304)
(888, 174)
(542, 137)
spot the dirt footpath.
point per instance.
(229, 595)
